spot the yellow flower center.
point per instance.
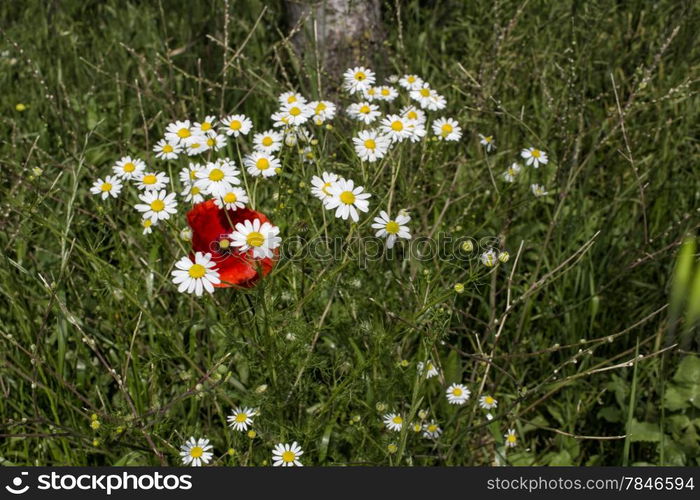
(432, 428)
(166, 149)
(412, 115)
(372, 91)
(411, 79)
(197, 271)
(211, 142)
(193, 175)
(149, 179)
(106, 187)
(446, 129)
(216, 174)
(197, 451)
(196, 145)
(397, 420)
(291, 99)
(325, 187)
(130, 167)
(397, 126)
(511, 438)
(425, 92)
(184, 133)
(536, 153)
(262, 163)
(385, 92)
(230, 198)
(370, 144)
(241, 417)
(147, 223)
(224, 244)
(235, 125)
(365, 109)
(489, 400)
(295, 111)
(255, 239)
(288, 456)
(157, 205)
(320, 107)
(205, 126)
(359, 76)
(392, 227)
(347, 197)
(457, 391)
(488, 138)
(267, 141)
(194, 190)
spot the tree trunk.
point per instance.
(342, 33)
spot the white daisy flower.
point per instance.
(205, 127)
(321, 186)
(236, 125)
(364, 112)
(192, 193)
(534, 157)
(416, 130)
(268, 141)
(489, 258)
(241, 418)
(280, 119)
(129, 168)
(347, 199)
(291, 98)
(110, 186)
(431, 430)
(188, 175)
(285, 455)
(358, 79)
(457, 394)
(216, 141)
(371, 145)
(323, 111)
(195, 452)
(393, 421)
(196, 276)
(392, 78)
(261, 163)
(488, 142)
(196, 144)
(217, 178)
(157, 205)
(147, 225)
(166, 150)
(262, 238)
(152, 181)
(432, 370)
(387, 93)
(371, 94)
(488, 402)
(428, 98)
(447, 129)
(395, 127)
(538, 190)
(233, 199)
(411, 82)
(178, 132)
(292, 136)
(413, 113)
(512, 172)
(297, 114)
(511, 438)
(391, 229)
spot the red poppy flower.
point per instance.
(210, 225)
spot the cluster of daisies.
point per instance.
(456, 394)
(533, 157)
(198, 451)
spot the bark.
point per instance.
(343, 33)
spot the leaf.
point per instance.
(644, 431)
(561, 458)
(688, 371)
(610, 414)
(453, 368)
(675, 398)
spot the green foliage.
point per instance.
(91, 325)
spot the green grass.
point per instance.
(92, 325)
